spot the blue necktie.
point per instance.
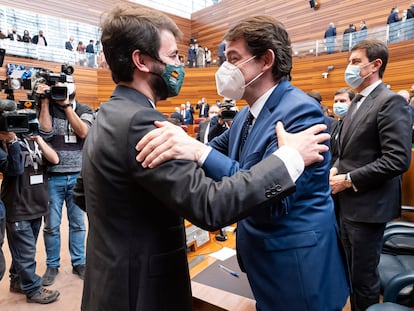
(245, 131)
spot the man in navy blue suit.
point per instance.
(289, 250)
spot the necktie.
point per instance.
(354, 105)
(348, 118)
(245, 131)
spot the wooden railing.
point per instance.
(95, 85)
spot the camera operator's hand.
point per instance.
(220, 119)
(9, 137)
(41, 92)
(45, 119)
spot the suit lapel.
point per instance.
(262, 120)
(360, 116)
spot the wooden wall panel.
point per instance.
(302, 22)
(95, 85)
(209, 25)
(85, 79)
(90, 12)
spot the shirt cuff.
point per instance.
(204, 156)
(292, 160)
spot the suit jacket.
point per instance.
(333, 143)
(202, 128)
(178, 116)
(203, 113)
(136, 250)
(375, 149)
(11, 37)
(35, 39)
(214, 129)
(69, 46)
(292, 244)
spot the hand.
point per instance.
(7, 136)
(309, 143)
(337, 183)
(167, 142)
(35, 138)
(42, 88)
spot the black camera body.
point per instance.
(230, 110)
(50, 78)
(19, 118)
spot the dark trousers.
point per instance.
(22, 237)
(363, 244)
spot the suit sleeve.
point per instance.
(209, 204)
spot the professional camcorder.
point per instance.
(20, 118)
(50, 78)
(230, 110)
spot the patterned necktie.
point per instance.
(245, 131)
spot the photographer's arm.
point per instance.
(48, 152)
(45, 118)
(81, 128)
(11, 161)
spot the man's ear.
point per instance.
(269, 59)
(140, 61)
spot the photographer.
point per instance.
(65, 123)
(14, 158)
(217, 123)
(24, 192)
(226, 114)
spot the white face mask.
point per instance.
(230, 81)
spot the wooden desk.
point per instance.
(207, 298)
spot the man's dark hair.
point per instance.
(127, 29)
(374, 49)
(315, 95)
(347, 90)
(261, 34)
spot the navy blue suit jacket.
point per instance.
(289, 250)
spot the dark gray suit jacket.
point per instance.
(136, 250)
(376, 150)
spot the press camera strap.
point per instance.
(35, 159)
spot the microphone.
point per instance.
(7, 105)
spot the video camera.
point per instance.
(230, 110)
(50, 78)
(20, 118)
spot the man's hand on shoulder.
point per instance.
(309, 143)
(167, 142)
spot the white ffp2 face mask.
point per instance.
(230, 81)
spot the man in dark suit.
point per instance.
(330, 38)
(14, 36)
(39, 39)
(374, 150)
(293, 243)
(177, 115)
(69, 44)
(203, 108)
(136, 246)
(213, 126)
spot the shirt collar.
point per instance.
(365, 92)
(260, 102)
